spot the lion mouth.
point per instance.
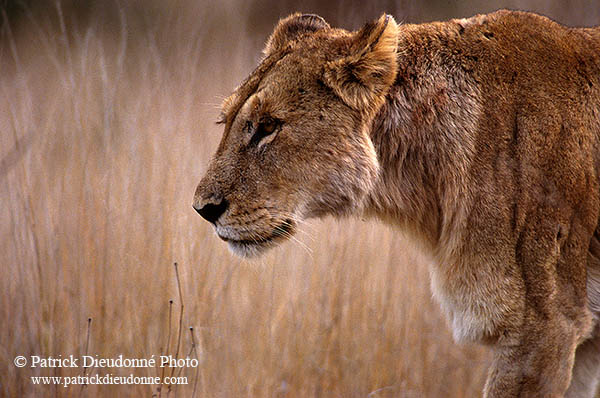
(248, 246)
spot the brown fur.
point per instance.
(478, 137)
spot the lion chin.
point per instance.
(248, 250)
(259, 241)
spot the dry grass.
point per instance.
(106, 126)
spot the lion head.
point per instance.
(296, 138)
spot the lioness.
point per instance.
(480, 137)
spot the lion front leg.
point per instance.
(586, 371)
(534, 356)
(537, 364)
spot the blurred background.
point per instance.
(107, 113)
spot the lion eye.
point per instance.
(222, 119)
(264, 128)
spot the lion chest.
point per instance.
(476, 301)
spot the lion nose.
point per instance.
(211, 211)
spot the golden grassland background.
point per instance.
(107, 113)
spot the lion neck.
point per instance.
(424, 137)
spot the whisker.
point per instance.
(302, 245)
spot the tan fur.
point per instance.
(479, 137)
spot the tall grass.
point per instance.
(106, 126)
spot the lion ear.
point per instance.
(363, 77)
(291, 28)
